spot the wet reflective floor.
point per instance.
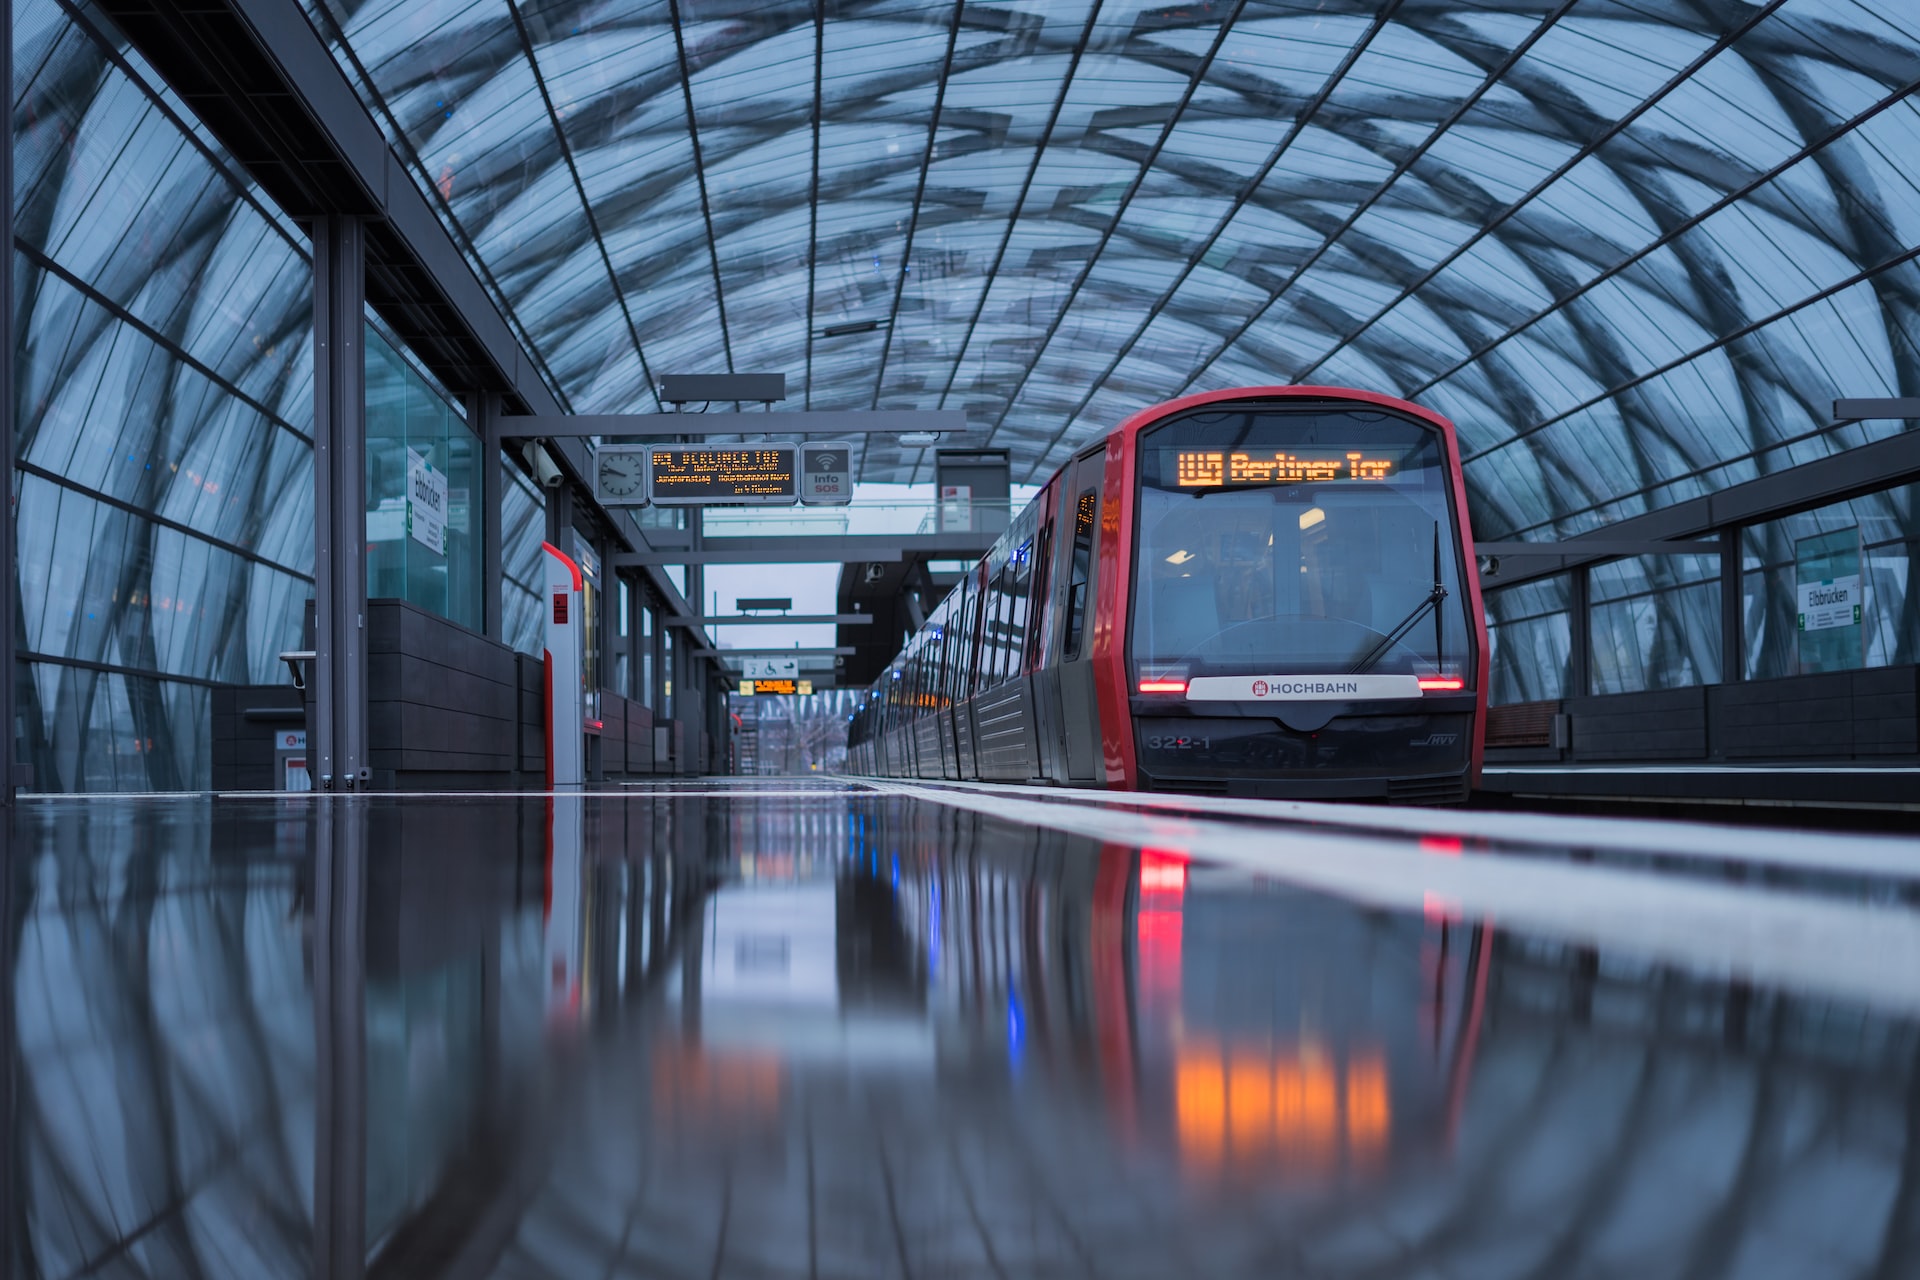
(819, 1029)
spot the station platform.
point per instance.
(825, 1027)
(1849, 786)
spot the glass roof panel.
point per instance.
(1053, 213)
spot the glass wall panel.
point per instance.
(162, 420)
(1776, 563)
(1531, 641)
(523, 525)
(423, 520)
(1655, 623)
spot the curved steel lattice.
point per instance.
(1634, 247)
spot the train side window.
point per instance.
(1085, 509)
(1019, 578)
(996, 620)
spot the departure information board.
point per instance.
(702, 475)
(1210, 468)
(748, 688)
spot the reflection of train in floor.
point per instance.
(1266, 591)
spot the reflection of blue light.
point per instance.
(896, 871)
(1016, 1030)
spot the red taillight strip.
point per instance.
(1163, 686)
(1443, 684)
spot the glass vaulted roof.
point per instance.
(1633, 247)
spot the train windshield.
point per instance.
(1296, 541)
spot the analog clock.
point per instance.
(622, 476)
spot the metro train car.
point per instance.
(1267, 591)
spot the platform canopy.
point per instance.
(1635, 248)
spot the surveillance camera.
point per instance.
(545, 469)
(875, 572)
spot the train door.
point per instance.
(966, 729)
(950, 638)
(1080, 533)
(1044, 683)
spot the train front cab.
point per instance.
(1263, 635)
(1300, 608)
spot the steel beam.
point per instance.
(1869, 468)
(1588, 548)
(785, 424)
(836, 651)
(820, 549)
(772, 619)
(339, 505)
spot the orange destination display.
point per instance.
(1211, 468)
(748, 688)
(765, 475)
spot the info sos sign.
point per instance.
(826, 474)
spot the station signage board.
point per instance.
(702, 475)
(770, 668)
(749, 688)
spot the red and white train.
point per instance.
(1268, 591)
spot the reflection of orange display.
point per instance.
(691, 1085)
(1293, 1108)
(1206, 468)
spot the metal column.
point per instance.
(1733, 640)
(483, 415)
(1579, 632)
(9, 573)
(339, 505)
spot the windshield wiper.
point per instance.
(1433, 600)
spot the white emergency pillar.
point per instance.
(565, 659)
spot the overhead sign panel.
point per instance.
(826, 474)
(694, 475)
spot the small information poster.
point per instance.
(1828, 599)
(426, 504)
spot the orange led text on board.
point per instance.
(1203, 468)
